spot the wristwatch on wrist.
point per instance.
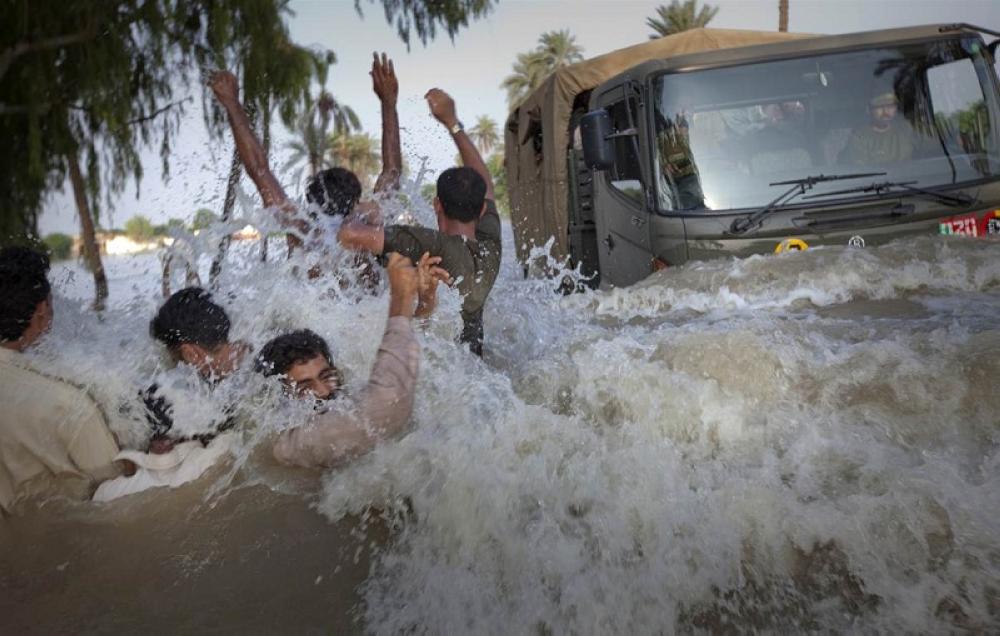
(457, 128)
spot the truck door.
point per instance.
(622, 219)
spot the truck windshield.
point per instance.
(922, 113)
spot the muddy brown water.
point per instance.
(166, 562)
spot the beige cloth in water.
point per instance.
(50, 431)
(186, 462)
(383, 409)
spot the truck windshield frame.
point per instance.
(924, 112)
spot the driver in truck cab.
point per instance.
(888, 138)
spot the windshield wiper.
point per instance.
(958, 200)
(799, 187)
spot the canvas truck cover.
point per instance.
(536, 136)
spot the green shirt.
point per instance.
(474, 264)
(869, 146)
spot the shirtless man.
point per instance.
(467, 240)
(335, 191)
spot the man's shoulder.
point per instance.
(46, 396)
(488, 227)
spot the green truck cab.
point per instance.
(733, 143)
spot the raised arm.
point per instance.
(443, 108)
(226, 90)
(386, 86)
(386, 402)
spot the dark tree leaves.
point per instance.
(425, 16)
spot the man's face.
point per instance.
(44, 315)
(40, 322)
(883, 114)
(213, 363)
(315, 378)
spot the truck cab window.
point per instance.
(959, 111)
(625, 175)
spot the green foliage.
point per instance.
(680, 16)
(139, 229)
(428, 191)
(59, 246)
(357, 152)
(176, 224)
(96, 80)
(484, 134)
(425, 16)
(312, 145)
(495, 165)
(555, 49)
(203, 218)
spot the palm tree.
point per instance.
(358, 152)
(559, 48)
(680, 16)
(312, 143)
(529, 71)
(783, 15)
(555, 49)
(484, 134)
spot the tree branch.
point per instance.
(26, 46)
(156, 113)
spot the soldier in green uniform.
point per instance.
(887, 139)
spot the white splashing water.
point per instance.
(805, 441)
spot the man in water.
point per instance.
(885, 140)
(48, 427)
(336, 191)
(195, 331)
(468, 236)
(383, 408)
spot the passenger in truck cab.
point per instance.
(888, 137)
(779, 144)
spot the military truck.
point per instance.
(716, 142)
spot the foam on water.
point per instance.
(807, 441)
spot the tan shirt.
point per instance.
(383, 409)
(48, 428)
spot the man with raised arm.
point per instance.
(468, 236)
(335, 191)
(384, 406)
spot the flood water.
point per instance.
(808, 441)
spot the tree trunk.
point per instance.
(227, 212)
(165, 277)
(265, 126)
(783, 16)
(87, 236)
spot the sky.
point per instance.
(470, 68)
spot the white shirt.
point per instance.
(50, 431)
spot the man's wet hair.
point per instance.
(190, 317)
(334, 190)
(23, 285)
(282, 353)
(462, 192)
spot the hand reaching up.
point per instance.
(442, 107)
(384, 81)
(403, 285)
(429, 274)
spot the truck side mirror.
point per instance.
(595, 133)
